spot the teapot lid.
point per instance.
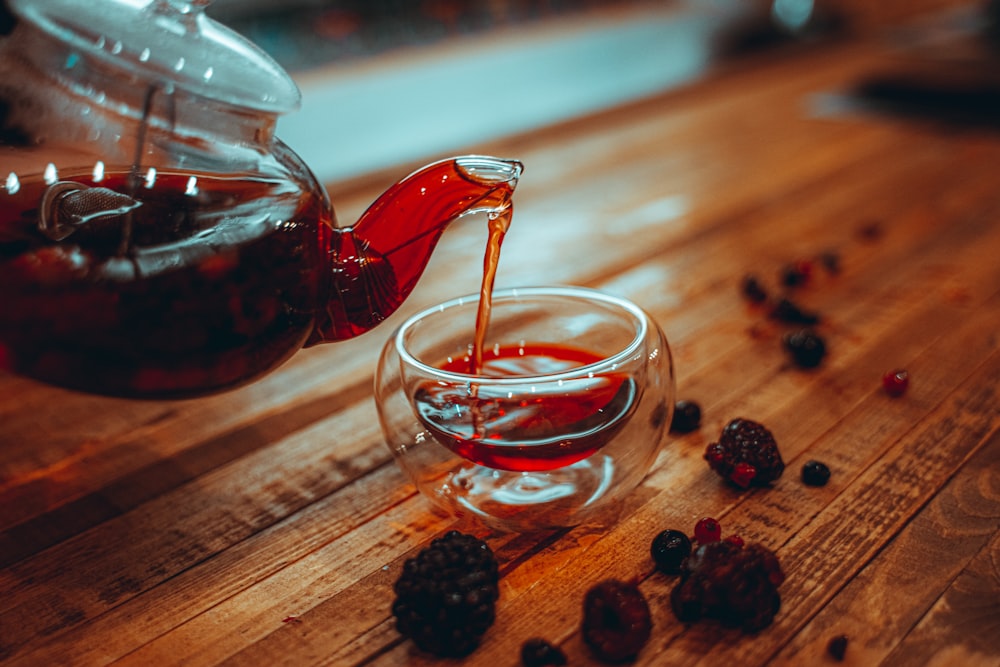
(172, 41)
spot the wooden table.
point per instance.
(266, 526)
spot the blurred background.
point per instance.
(388, 82)
(396, 82)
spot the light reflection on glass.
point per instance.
(98, 171)
(50, 175)
(192, 186)
(792, 14)
(13, 184)
(151, 177)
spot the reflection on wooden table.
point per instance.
(267, 525)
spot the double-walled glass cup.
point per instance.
(567, 413)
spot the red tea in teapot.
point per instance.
(200, 286)
(175, 284)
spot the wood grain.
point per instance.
(266, 526)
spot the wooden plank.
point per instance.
(938, 564)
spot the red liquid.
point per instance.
(530, 432)
(499, 223)
(205, 285)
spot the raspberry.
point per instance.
(815, 473)
(538, 652)
(896, 382)
(669, 549)
(446, 595)
(616, 620)
(707, 530)
(806, 347)
(745, 442)
(735, 585)
(687, 417)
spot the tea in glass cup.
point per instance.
(561, 417)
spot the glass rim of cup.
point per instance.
(608, 363)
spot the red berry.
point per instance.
(895, 382)
(707, 530)
(735, 540)
(743, 473)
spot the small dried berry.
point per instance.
(687, 417)
(806, 347)
(616, 620)
(735, 540)
(796, 274)
(830, 261)
(735, 585)
(538, 652)
(815, 473)
(669, 549)
(837, 647)
(790, 312)
(746, 442)
(753, 290)
(707, 530)
(446, 595)
(870, 230)
(896, 382)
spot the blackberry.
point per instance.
(616, 620)
(790, 312)
(745, 455)
(806, 347)
(537, 652)
(669, 549)
(735, 585)
(687, 417)
(815, 473)
(446, 595)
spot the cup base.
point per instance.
(510, 500)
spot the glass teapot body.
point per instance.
(152, 242)
(159, 242)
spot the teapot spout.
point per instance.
(377, 262)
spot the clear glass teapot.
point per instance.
(156, 238)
